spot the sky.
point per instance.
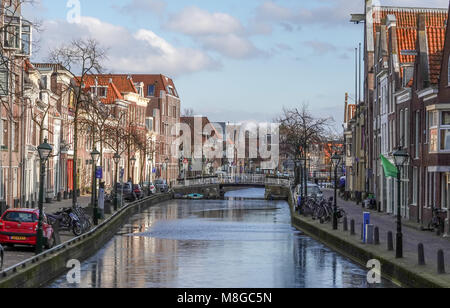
(231, 60)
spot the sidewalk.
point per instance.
(19, 254)
(412, 236)
(83, 201)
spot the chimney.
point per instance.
(423, 50)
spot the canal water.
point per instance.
(241, 242)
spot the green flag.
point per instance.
(389, 169)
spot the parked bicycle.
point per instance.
(321, 209)
(71, 219)
(437, 224)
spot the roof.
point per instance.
(161, 82)
(406, 23)
(117, 86)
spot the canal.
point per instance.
(240, 242)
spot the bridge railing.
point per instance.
(282, 181)
(236, 179)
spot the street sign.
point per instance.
(99, 173)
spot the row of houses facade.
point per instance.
(37, 103)
(406, 106)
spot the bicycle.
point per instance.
(436, 224)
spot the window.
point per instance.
(149, 124)
(401, 129)
(26, 39)
(102, 92)
(4, 78)
(444, 190)
(151, 90)
(5, 134)
(433, 131)
(11, 37)
(415, 184)
(406, 132)
(417, 134)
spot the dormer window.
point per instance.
(151, 90)
(102, 91)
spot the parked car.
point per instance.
(313, 189)
(138, 191)
(149, 188)
(126, 189)
(161, 186)
(19, 227)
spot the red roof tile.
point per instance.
(435, 22)
(117, 86)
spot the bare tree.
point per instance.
(299, 129)
(188, 112)
(82, 58)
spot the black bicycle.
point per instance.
(436, 224)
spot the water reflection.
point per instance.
(204, 244)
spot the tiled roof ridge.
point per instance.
(412, 9)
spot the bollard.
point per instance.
(421, 254)
(345, 224)
(370, 234)
(441, 264)
(390, 241)
(377, 236)
(352, 227)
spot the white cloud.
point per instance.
(218, 32)
(195, 21)
(142, 7)
(140, 52)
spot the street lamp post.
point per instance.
(133, 163)
(336, 159)
(400, 159)
(167, 171)
(95, 156)
(44, 151)
(116, 162)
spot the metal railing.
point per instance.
(236, 179)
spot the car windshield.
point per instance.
(20, 217)
(314, 190)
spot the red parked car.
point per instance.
(19, 227)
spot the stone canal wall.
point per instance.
(42, 269)
(402, 272)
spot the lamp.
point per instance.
(95, 156)
(44, 150)
(400, 157)
(336, 159)
(116, 158)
